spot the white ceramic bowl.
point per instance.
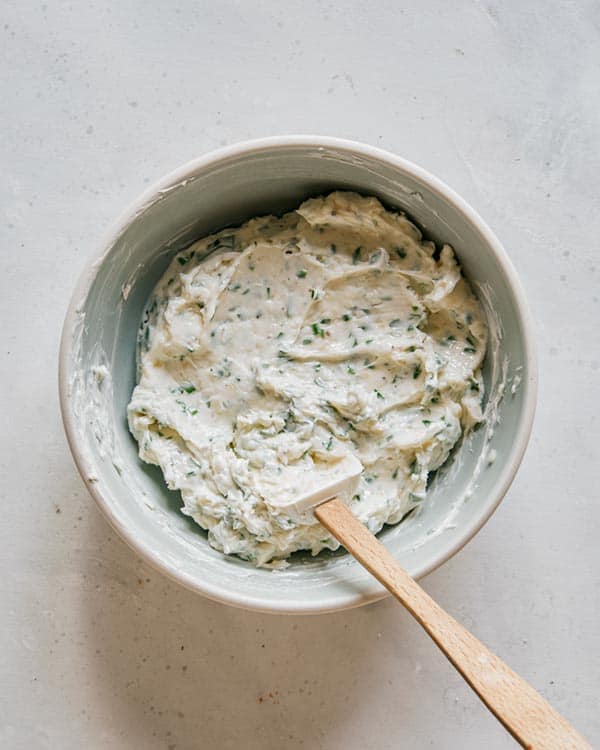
(97, 366)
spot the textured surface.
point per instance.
(99, 651)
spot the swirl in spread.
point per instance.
(288, 343)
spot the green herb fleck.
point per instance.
(306, 342)
(400, 252)
(416, 370)
(302, 273)
(346, 317)
(395, 323)
(379, 394)
(356, 255)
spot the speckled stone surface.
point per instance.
(99, 99)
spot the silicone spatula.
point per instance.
(525, 714)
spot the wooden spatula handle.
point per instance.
(528, 717)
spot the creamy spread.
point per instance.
(280, 347)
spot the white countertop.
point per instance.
(98, 99)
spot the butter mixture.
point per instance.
(288, 343)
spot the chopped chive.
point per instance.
(395, 473)
(416, 370)
(379, 394)
(329, 444)
(400, 252)
(426, 421)
(302, 273)
(306, 341)
(395, 323)
(351, 370)
(346, 317)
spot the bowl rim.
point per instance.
(339, 601)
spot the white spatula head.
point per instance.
(300, 490)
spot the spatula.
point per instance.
(526, 715)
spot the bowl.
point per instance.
(98, 368)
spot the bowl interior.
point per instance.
(99, 371)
